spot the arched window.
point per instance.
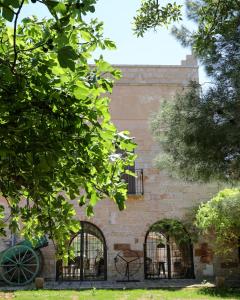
(90, 256)
(167, 255)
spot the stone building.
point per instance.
(112, 238)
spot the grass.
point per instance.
(161, 294)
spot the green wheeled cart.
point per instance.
(20, 264)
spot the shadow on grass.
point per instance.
(223, 293)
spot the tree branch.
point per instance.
(15, 35)
(215, 16)
(32, 48)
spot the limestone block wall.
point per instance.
(135, 97)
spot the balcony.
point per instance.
(135, 184)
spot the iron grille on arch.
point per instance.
(90, 256)
(164, 257)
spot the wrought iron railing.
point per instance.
(135, 184)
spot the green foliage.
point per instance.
(57, 141)
(152, 15)
(199, 134)
(214, 19)
(201, 140)
(172, 228)
(220, 216)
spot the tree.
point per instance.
(202, 137)
(58, 144)
(220, 216)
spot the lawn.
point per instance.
(162, 294)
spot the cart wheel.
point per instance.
(19, 265)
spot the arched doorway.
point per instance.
(168, 254)
(90, 256)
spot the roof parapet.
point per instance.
(190, 61)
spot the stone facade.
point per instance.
(135, 97)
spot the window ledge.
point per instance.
(135, 197)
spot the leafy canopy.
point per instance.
(172, 228)
(211, 17)
(221, 216)
(201, 136)
(152, 14)
(58, 146)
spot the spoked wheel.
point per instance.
(127, 263)
(19, 265)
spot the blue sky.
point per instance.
(154, 48)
